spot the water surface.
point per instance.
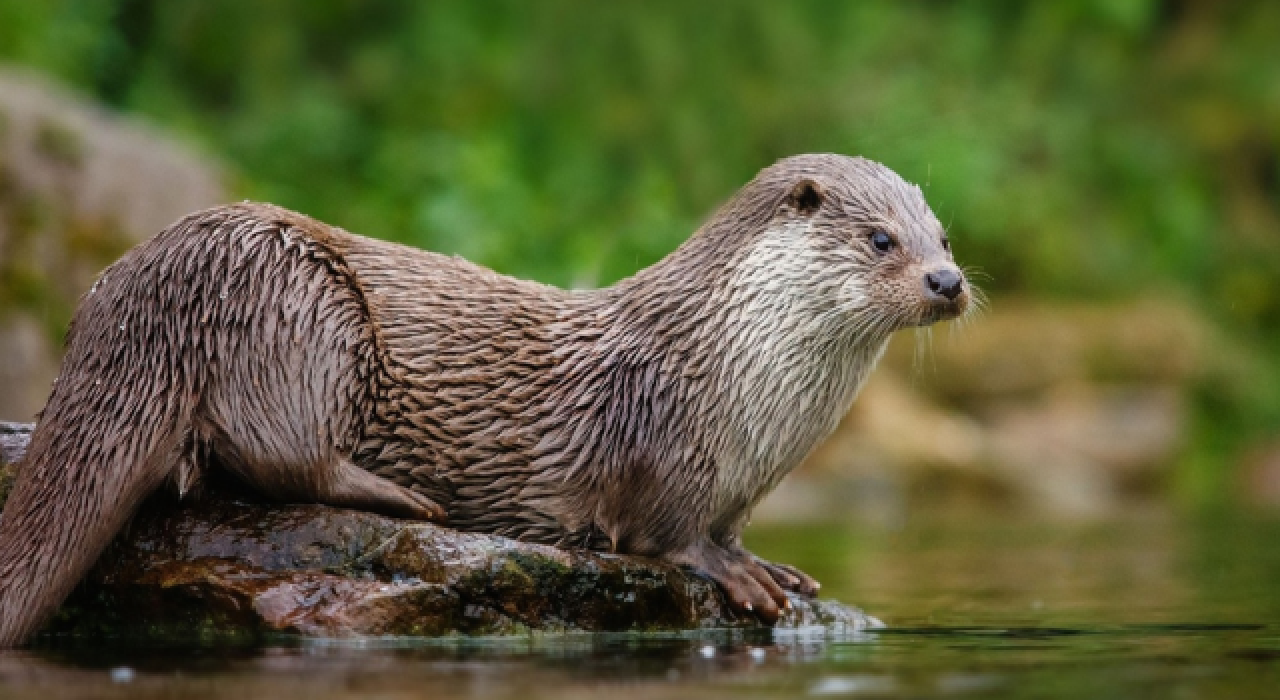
(977, 606)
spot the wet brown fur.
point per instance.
(648, 417)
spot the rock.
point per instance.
(1079, 449)
(225, 567)
(13, 443)
(903, 426)
(95, 165)
(1074, 410)
(1073, 450)
(79, 185)
(1024, 347)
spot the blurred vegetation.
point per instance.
(1078, 149)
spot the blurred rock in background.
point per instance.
(1072, 411)
(78, 186)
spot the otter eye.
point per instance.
(882, 241)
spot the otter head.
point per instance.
(858, 242)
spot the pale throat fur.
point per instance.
(801, 351)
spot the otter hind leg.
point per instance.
(349, 486)
(749, 586)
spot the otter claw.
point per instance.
(790, 578)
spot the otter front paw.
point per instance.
(749, 586)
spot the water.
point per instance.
(978, 606)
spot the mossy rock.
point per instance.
(226, 567)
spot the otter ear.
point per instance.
(805, 197)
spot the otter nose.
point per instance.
(945, 282)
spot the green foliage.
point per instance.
(1076, 148)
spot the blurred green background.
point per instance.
(1082, 153)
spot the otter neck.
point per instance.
(743, 334)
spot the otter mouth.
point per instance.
(938, 311)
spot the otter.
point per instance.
(316, 365)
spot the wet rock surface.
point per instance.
(13, 443)
(226, 567)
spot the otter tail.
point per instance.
(195, 335)
(112, 431)
(90, 463)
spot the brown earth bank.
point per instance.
(223, 566)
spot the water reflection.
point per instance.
(977, 605)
